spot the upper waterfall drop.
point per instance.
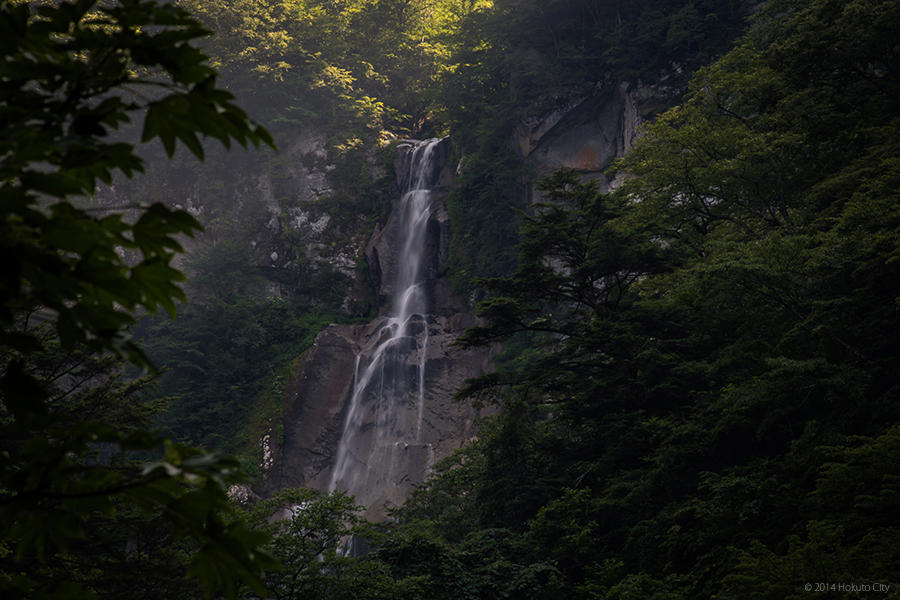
(387, 402)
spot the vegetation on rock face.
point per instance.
(520, 59)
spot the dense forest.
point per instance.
(698, 386)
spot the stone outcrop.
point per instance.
(314, 401)
(591, 129)
(276, 206)
(318, 396)
(382, 251)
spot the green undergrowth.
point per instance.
(222, 365)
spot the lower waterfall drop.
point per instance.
(387, 401)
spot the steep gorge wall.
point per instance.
(319, 394)
(278, 206)
(585, 132)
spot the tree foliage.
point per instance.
(74, 73)
(700, 397)
(514, 60)
(348, 66)
(320, 540)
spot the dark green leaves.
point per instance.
(70, 78)
(181, 117)
(710, 399)
(73, 77)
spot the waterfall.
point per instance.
(382, 430)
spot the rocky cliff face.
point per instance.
(379, 438)
(318, 398)
(590, 129)
(379, 443)
(278, 206)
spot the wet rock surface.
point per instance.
(380, 441)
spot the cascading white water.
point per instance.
(388, 397)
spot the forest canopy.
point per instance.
(711, 408)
